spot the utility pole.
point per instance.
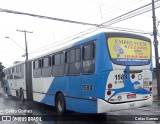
(24, 31)
(156, 48)
(27, 69)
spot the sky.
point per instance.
(49, 34)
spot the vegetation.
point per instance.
(1, 70)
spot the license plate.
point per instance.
(131, 96)
(137, 86)
(132, 105)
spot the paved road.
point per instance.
(12, 106)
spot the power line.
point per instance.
(132, 13)
(119, 20)
(119, 28)
(117, 10)
(127, 30)
(103, 26)
(50, 46)
(96, 25)
(112, 21)
(47, 17)
(64, 41)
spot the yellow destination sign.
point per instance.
(129, 48)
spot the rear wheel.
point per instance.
(21, 95)
(60, 103)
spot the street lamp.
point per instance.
(15, 42)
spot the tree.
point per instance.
(1, 70)
(1, 67)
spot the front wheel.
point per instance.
(60, 103)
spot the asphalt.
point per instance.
(116, 117)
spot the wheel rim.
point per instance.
(60, 104)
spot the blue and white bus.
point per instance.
(14, 80)
(105, 72)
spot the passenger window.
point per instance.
(72, 56)
(47, 61)
(73, 62)
(47, 69)
(78, 55)
(88, 58)
(57, 59)
(88, 52)
(39, 63)
(62, 58)
(58, 64)
(37, 66)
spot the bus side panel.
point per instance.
(89, 86)
(48, 99)
(40, 88)
(81, 105)
(103, 64)
(103, 61)
(101, 87)
(70, 86)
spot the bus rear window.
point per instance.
(129, 51)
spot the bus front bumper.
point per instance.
(104, 106)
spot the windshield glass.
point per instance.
(129, 51)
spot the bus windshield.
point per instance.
(129, 51)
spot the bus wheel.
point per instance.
(60, 103)
(21, 95)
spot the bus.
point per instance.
(105, 72)
(14, 80)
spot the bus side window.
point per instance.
(40, 63)
(37, 64)
(33, 65)
(73, 64)
(88, 59)
(46, 62)
(46, 66)
(58, 64)
(12, 71)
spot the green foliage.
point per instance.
(1, 70)
(1, 67)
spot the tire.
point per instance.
(6, 91)
(21, 95)
(17, 94)
(60, 104)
